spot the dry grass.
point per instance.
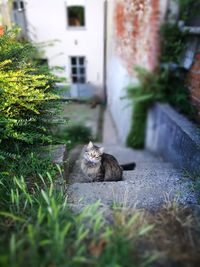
(172, 235)
(176, 236)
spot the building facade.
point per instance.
(72, 35)
(97, 43)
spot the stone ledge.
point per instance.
(172, 136)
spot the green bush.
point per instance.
(162, 86)
(73, 135)
(143, 95)
(26, 96)
(173, 43)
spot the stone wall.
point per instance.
(173, 137)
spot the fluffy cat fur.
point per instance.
(99, 166)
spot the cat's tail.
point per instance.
(128, 166)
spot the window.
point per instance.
(78, 69)
(18, 5)
(15, 5)
(21, 5)
(75, 16)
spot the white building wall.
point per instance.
(47, 23)
(117, 81)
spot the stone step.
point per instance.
(151, 184)
(146, 168)
(153, 177)
(148, 191)
(125, 155)
(142, 165)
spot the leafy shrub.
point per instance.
(162, 86)
(26, 94)
(142, 95)
(74, 135)
(173, 43)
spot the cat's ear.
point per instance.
(101, 149)
(90, 145)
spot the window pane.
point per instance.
(21, 4)
(76, 16)
(81, 60)
(15, 5)
(74, 79)
(82, 70)
(74, 70)
(82, 79)
(73, 60)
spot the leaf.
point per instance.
(45, 196)
(146, 229)
(12, 216)
(133, 219)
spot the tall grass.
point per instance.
(38, 228)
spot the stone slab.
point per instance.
(127, 155)
(142, 191)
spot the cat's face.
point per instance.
(93, 153)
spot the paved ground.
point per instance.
(152, 183)
(81, 113)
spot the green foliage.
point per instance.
(186, 6)
(73, 135)
(136, 135)
(173, 43)
(143, 94)
(163, 86)
(38, 228)
(26, 96)
(168, 84)
(176, 93)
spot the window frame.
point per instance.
(78, 66)
(18, 5)
(67, 18)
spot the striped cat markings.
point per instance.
(101, 167)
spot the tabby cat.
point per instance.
(99, 166)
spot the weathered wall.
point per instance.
(173, 137)
(132, 39)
